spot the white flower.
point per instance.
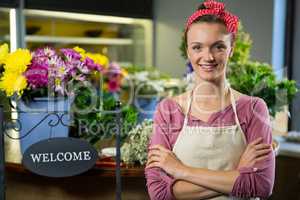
(135, 149)
(158, 85)
(141, 76)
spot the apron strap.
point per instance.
(188, 109)
(233, 104)
(232, 99)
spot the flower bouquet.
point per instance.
(46, 71)
(48, 81)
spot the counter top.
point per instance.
(286, 148)
(13, 160)
(95, 171)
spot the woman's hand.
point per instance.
(165, 159)
(256, 151)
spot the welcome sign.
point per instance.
(60, 157)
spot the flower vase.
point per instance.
(43, 118)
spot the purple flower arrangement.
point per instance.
(56, 70)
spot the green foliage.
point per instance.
(4, 101)
(242, 48)
(258, 79)
(100, 121)
(154, 73)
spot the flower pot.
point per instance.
(43, 118)
(146, 107)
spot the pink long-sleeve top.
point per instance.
(253, 116)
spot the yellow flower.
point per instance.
(96, 75)
(105, 86)
(13, 83)
(81, 51)
(61, 70)
(98, 59)
(57, 81)
(17, 61)
(124, 72)
(3, 53)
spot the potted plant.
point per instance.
(94, 111)
(258, 79)
(43, 83)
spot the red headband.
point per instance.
(218, 9)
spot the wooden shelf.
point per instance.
(76, 40)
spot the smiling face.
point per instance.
(209, 47)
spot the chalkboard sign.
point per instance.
(60, 157)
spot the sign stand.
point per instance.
(118, 115)
(118, 153)
(2, 157)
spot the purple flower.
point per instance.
(71, 67)
(84, 69)
(56, 67)
(58, 74)
(37, 75)
(44, 52)
(80, 78)
(71, 54)
(59, 70)
(92, 65)
(114, 70)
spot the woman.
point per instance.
(211, 142)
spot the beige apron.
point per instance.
(215, 148)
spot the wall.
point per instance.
(170, 17)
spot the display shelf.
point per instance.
(122, 39)
(75, 40)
